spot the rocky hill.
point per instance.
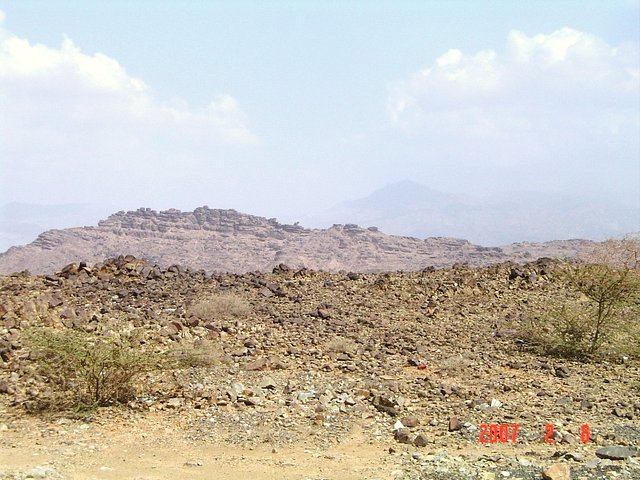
(229, 241)
(304, 374)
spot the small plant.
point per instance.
(340, 345)
(221, 306)
(83, 372)
(200, 353)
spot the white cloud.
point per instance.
(65, 114)
(67, 78)
(565, 97)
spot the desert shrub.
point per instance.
(455, 364)
(340, 345)
(219, 306)
(621, 254)
(199, 353)
(599, 307)
(83, 371)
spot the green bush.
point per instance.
(599, 307)
(83, 371)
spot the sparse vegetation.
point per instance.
(200, 353)
(601, 306)
(271, 368)
(340, 345)
(83, 371)
(221, 306)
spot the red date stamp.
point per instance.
(585, 433)
(504, 433)
(498, 433)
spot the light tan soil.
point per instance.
(153, 447)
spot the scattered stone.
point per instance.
(267, 382)
(402, 436)
(398, 425)
(487, 476)
(619, 412)
(575, 456)
(524, 462)
(4, 386)
(265, 292)
(569, 438)
(455, 424)
(67, 313)
(175, 402)
(616, 452)
(42, 472)
(557, 471)
(591, 464)
(167, 331)
(410, 421)
(385, 405)
(55, 301)
(420, 441)
(324, 392)
(258, 364)
(586, 405)
(305, 396)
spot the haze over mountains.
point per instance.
(403, 208)
(409, 208)
(21, 223)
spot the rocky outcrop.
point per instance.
(229, 241)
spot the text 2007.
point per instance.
(498, 433)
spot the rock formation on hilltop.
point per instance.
(226, 240)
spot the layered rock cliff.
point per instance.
(229, 241)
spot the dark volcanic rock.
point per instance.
(616, 453)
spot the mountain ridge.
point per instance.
(218, 240)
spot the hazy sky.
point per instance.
(281, 108)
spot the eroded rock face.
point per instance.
(228, 241)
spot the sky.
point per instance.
(282, 108)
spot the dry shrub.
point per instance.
(82, 371)
(200, 353)
(620, 254)
(340, 345)
(221, 306)
(600, 308)
(455, 364)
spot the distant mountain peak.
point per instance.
(401, 195)
(411, 208)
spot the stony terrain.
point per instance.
(325, 375)
(228, 241)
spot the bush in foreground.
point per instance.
(83, 371)
(600, 308)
